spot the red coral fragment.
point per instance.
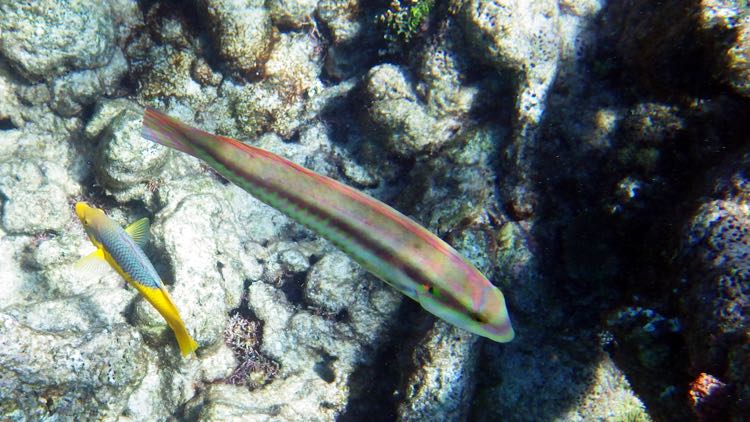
(709, 397)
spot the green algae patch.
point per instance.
(403, 19)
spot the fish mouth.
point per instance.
(81, 208)
(499, 330)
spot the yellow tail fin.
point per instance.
(160, 299)
(186, 343)
(170, 314)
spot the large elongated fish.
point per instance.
(121, 249)
(382, 240)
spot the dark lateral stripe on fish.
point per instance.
(330, 220)
(174, 127)
(313, 209)
(385, 242)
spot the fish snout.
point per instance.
(81, 209)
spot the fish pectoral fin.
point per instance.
(92, 264)
(138, 231)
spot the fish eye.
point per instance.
(476, 316)
(429, 289)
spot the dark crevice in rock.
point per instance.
(324, 367)
(359, 55)
(293, 287)
(7, 124)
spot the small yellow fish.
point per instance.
(121, 249)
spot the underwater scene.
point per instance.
(375, 210)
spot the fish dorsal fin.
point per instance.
(92, 264)
(139, 231)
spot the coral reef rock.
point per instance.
(242, 32)
(46, 39)
(716, 297)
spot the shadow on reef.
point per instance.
(375, 386)
(613, 200)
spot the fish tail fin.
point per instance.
(184, 340)
(164, 130)
(162, 301)
(187, 344)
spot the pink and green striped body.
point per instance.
(382, 240)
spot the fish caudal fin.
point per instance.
(169, 311)
(164, 130)
(184, 340)
(160, 299)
